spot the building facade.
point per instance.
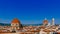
(15, 24)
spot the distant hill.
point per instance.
(31, 24)
(2, 24)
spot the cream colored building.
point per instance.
(15, 24)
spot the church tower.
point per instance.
(53, 21)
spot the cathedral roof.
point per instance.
(15, 20)
(45, 21)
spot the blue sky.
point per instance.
(29, 11)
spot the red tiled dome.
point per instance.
(15, 20)
(45, 21)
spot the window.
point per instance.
(17, 24)
(12, 24)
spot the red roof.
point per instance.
(15, 20)
(45, 21)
